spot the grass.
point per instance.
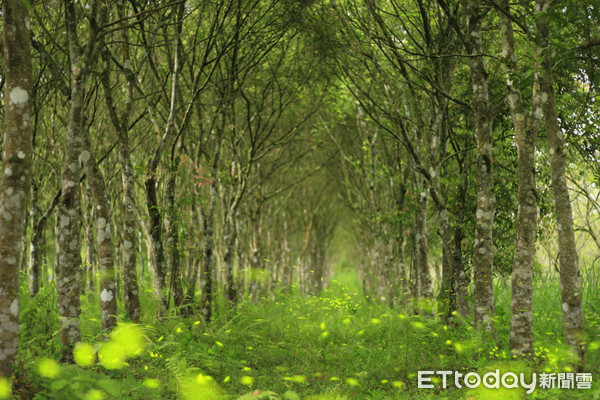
(334, 346)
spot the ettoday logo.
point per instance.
(509, 380)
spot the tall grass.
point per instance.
(336, 345)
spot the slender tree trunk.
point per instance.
(89, 264)
(36, 247)
(128, 206)
(35, 258)
(16, 176)
(160, 271)
(483, 296)
(228, 260)
(190, 292)
(172, 238)
(69, 215)
(422, 237)
(158, 253)
(69, 211)
(526, 127)
(207, 271)
(569, 268)
(132, 300)
(106, 258)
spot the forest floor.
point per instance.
(334, 346)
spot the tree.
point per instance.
(16, 175)
(69, 211)
(526, 126)
(569, 268)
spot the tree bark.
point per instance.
(228, 259)
(69, 212)
(526, 126)
(207, 271)
(16, 175)
(128, 206)
(89, 263)
(172, 238)
(106, 258)
(483, 296)
(422, 238)
(569, 268)
(160, 272)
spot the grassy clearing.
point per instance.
(335, 346)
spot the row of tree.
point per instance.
(204, 108)
(246, 132)
(452, 98)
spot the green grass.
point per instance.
(334, 346)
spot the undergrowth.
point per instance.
(334, 346)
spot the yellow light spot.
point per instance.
(94, 394)
(458, 347)
(111, 355)
(84, 354)
(295, 379)
(48, 368)
(247, 380)
(219, 344)
(227, 379)
(202, 379)
(5, 389)
(352, 381)
(131, 339)
(151, 383)
(418, 325)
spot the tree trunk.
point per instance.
(69, 215)
(160, 273)
(526, 126)
(172, 238)
(422, 237)
(132, 300)
(569, 268)
(158, 253)
(16, 176)
(207, 271)
(483, 296)
(106, 258)
(89, 264)
(68, 283)
(128, 206)
(228, 260)
(35, 257)
(36, 247)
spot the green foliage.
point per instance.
(333, 346)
